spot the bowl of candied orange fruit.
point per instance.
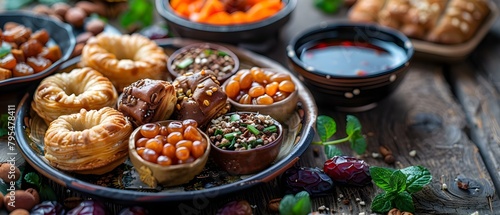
(168, 153)
(263, 90)
(31, 48)
(228, 21)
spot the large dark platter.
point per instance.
(60, 34)
(123, 186)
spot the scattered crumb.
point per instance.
(475, 213)
(413, 153)
(341, 195)
(358, 199)
(444, 186)
(376, 155)
(362, 203)
(362, 213)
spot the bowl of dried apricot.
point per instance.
(264, 90)
(170, 152)
(31, 48)
(226, 21)
(244, 142)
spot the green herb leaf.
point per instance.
(404, 202)
(352, 125)
(382, 177)
(381, 203)
(33, 178)
(298, 204)
(5, 49)
(303, 205)
(47, 194)
(332, 151)
(286, 205)
(326, 127)
(398, 181)
(358, 142)
(417, 178)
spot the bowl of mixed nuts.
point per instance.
(264, 90)
(244, 142)
(203, 56)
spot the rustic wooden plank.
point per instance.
(480, 101)
(422, 115)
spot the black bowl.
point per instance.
(60, 34)
(244, 33)
(351, 92)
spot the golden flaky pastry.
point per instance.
(88, 142)
(125, 59)
(67, 93)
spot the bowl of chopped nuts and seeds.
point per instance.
(244, 142)
(204, 56)
(264, 90)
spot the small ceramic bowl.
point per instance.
(279, 110)
(350, 66)
(238, 33)
(248, 161)
(192, 58)
(176, 174)
(60, 33)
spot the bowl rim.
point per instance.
(42, 19)
(164, 9)
(237, 104)
(197, 161)
(172, 56)
(293, 56)
(278, 140)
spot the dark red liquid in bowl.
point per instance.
(348, 58)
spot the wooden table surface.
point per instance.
(448, 113)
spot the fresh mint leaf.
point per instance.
(358, 142)
(332, 151)
(352, 125)
(381, 203)
(404, 202)
(298, 204)
(47, 194)
(33, 178)
(326, 127)
(398, 181)
(417, 178)
(382, 177)
(286, 204)
(303, 205)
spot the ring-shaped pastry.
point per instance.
(67, 93)
(125, 59)
(88, 142)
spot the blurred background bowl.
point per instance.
(365, 83)
(239, 33)
(60, 33)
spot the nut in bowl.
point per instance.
(244, 142)
(169, 153)
(351, 66)
(263, 90)
(204, 56)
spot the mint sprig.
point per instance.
(327, 127)
(46, 193)
(298, 204)
(398, 185)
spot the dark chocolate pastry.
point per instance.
(147, 100)
(199, 97)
